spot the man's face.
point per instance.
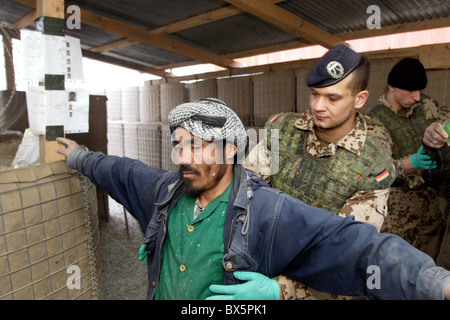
(404, 98)
(200, 162)
(334, 106)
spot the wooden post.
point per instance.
(435, 56)
(52, 13)
(50, 8)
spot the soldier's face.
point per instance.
(404, 98)
(335, 106)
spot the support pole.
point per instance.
(51, 15)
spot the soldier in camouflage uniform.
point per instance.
(325, 156)
(399, 121)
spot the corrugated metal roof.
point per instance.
(11, 11)
(349, 15)
(150, 13)
(149, 55)
(238, 33)
(234, 34)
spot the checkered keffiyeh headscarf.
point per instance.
(210, 119)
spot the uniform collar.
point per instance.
(406, 113)
(353, 141)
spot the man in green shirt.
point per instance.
(189, 244)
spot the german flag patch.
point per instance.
(367, 116)
(382, 175)
(275, 118)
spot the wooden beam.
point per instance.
(113, 45)
(140, 35)
(306, 63)
(282, 18)
(435, 56)
(25, 21)
(123, 63)
(353, 35)
(192, 22)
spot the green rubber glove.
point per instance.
(257, 287)
(143, 252)
(447, 128)
(421, 160)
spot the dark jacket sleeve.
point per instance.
(130, 182)
(342, 256)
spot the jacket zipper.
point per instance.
(233, 227)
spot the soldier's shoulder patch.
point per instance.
(383, 175)
(274, 118)
(372, 119)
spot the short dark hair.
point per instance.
(361, 75)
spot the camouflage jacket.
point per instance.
(368, 198)
(401, 133)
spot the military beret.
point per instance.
(334, 66)
(408, 74)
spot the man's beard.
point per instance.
(192, 190)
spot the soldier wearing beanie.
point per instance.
(408, 74)
(326, 156)
(399, 120)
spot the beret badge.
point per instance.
(335, 69)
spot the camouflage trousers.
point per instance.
(415, 216)
(293, 290)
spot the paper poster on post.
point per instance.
(48, 55)
(73, 59)
(54, 54)
(32, 55)
(36, 107)
(55, 112)
(77, 111)
(69, 108)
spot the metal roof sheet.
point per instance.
(234, 34)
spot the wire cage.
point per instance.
(49, 236)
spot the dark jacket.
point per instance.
(270, 232)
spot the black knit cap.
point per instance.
(334, 66)
(408, 74)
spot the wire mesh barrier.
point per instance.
(49, 237)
